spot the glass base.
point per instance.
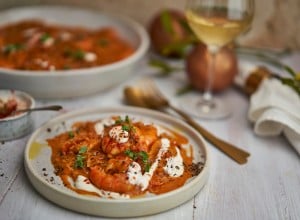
(201, 108)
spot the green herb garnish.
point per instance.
(142, 155)
(79, 162)
(118, 121)
(126, 123)
(75, 54)
(103, 42)
(131, 154)
(45, 37)
(83, 149)
(71, 134)
(10, 48)
(127, 120)
(126, 128)
(78, 54)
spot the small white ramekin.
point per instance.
(16, 126)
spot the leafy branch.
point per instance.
(164, 68)
(293, 81)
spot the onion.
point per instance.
(169, 33)
(225, 68)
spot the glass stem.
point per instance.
(207, 94)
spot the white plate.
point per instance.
(72, 83)
(40, 170)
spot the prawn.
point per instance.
(140, 139)
(118, 164)
(145, 136)
(111, 147)
(117, 182)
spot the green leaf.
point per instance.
(118, 120)
(141, 155)
(289, 70)
(165, 68)
(166, 21)
(127, 120)
(126, 128)
(10, 48)
(126, 123)
(78, 54)
(177, 47)
(131, 154)
(147, 167)
(186, 26)
(83, 149)
(103, 42)
(44, 37)
(294, 84)
(184, 89)
(144, 156)
(71, 134)
(79, 162)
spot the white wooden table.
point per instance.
(267, 187)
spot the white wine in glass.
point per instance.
(216, 23)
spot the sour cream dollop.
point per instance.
(84, 183)
(134, 172)
(174, 166)
(120, 135)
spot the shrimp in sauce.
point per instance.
(126, 157)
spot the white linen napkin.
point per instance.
(275, 109)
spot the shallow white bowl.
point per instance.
(72, 83)
(40, 171)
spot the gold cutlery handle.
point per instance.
(237, 154)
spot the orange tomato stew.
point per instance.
(122, 158)
(36, 45)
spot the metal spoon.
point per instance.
(44, 108)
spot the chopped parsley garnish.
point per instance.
(75, 54)
(131, 154)
(118, 120)
(79, 162)
(71, 134)
(10, 48)
(78, 54)
(142, 155)
(126, 123)
(45, 37)
(126, 128)
(103, 42)
(83, 149)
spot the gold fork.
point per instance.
(153, 98)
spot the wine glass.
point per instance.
(215, 23)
